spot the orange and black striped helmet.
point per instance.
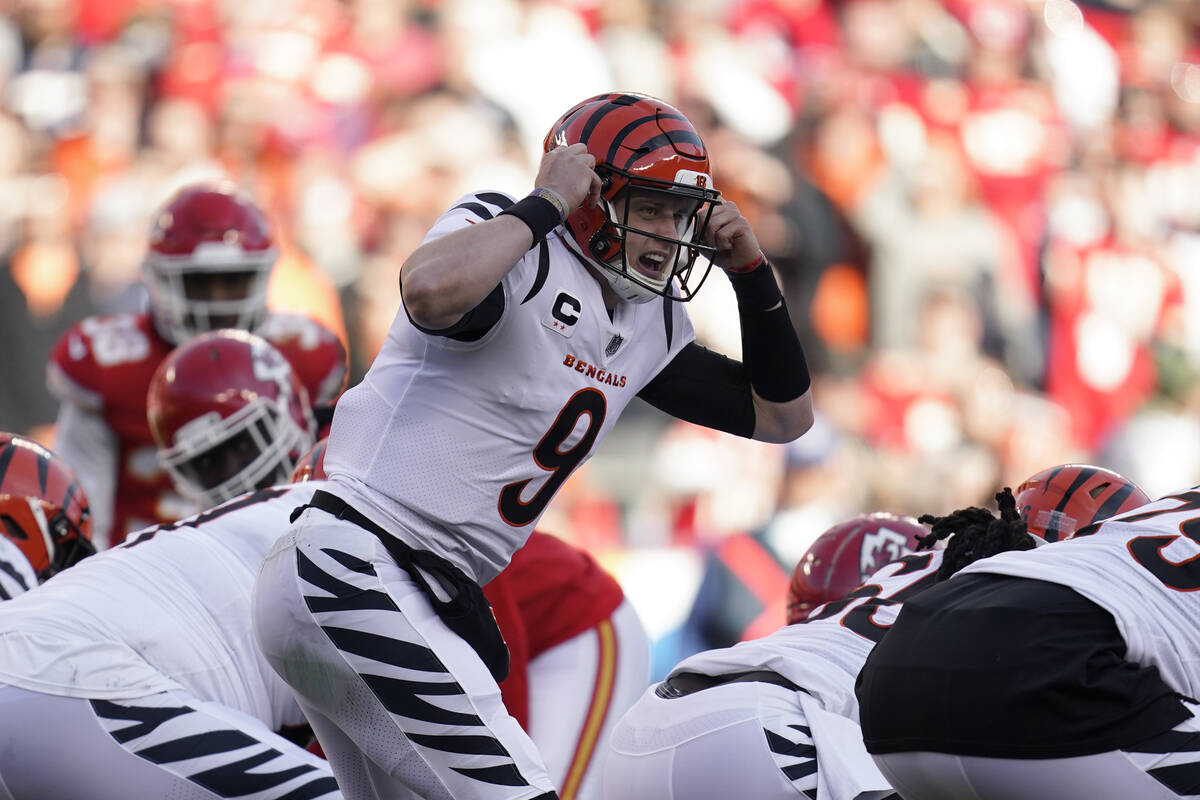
(1057, 502)
(43, 509)
(640, 144)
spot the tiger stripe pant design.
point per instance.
(168, 745)
(401, 704)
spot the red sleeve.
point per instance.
(73, 374)
(561, 591)
(515, 688)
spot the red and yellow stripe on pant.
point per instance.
(597, 713)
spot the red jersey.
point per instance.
(104, 365)
(550, 592)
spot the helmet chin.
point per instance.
(625, 287)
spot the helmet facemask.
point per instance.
(215, 458)
(181, 294)
(628, 210)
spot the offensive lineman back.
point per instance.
(134, 673)
(1067, 671)
(526, 329)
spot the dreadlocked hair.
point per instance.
(977, 533)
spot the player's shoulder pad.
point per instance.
(92, 348)
(316, 353)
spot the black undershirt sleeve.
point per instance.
(475, 323)
(705, 388)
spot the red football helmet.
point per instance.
(640, 145)
(43, 509)
(228, 415)
(1057, 502)
(210, 257)
(311, 466)
(846, 555)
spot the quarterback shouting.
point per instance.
(526, 328)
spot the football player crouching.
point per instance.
(1066, 671)
(45, 522)
(140, 661)
(778, 716)
(775, 717)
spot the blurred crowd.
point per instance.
(985, 213)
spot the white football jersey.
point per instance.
(458, 447)
(168, 609)
(1142, 567)
(16, 576)
(823, 654)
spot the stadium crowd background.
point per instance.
(985, 213)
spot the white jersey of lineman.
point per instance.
(823, 654)
(16, 576)
(167, 610)
(458, 447)
(1142, 567)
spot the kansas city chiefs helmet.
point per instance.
(43, 509)
(228, 415)
(846, 555)
(209, 260)
(644, 149)
(1057, 502)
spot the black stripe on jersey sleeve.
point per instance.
(543, 271)
(502, 201)
(485, 199)
(478, 209)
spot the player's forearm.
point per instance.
(773, 358)
(447, 277)
(782, 422)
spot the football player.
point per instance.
(578, 654)
(45, 523)
(139, 662)
(216, 443)
(775, 717)
(210, 255)
(792, 731)
(1066, 671)
(526, 327)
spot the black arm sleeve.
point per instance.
(706, 388)
(771, 349)
(475, 323)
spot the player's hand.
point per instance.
(569, 171)
(730, 233)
